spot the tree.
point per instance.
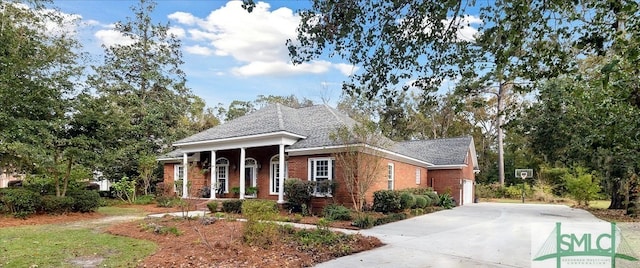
(146, 165)
(360, 160)
(289, 101)
(142, 89)
(39, 69)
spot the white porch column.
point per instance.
(242, 159)
(185, 179)
(213, 173)
(281, 167)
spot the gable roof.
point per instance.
(313, 127)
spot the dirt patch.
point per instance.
(87, 261)
(220, 245)
(612, 215)
(9, 221)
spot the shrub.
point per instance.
(430, 202)
(144, 200)
(14, 184)
(85, 201)
(163, 190)
(52, 204)
(337, 213)
(125, 189)
(165, 201)
(418, 191)
(417, 211)
(421, 201)
(582, 186)
(407, 200)
(446, 201)
(232, 206)
(92, 187)
(258, 231)
(386, 201)
(363, 222)
(390, 218)
(298, 193)
(20, 202)
(213, 206)
(433, 196)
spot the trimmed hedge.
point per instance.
(421, 201)
(232, 206)
(407, 200)
(386, 201)
(52, 204)
(390, 218)
(85, 201)
(20, 202)
(298, 193)
(337, 213)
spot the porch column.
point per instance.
(185, 179)
(213, 173)
(281, 167)
(242, 159)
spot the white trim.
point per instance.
(243, 155)
(311, 172)
(418, 176)
(226, 173)
(176, 169)
(391, 176)
(272, 178)
(254, 180)
(212, 176)
(185, 178)
(282, 166)
(241, 138)
(438, 167)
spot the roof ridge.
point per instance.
(280, 117)
(334, 114)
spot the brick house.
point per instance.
(245, 154)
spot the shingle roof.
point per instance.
(316, 123)
(450, 151)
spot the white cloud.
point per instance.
(281, 68)
(346, 69)
(256, 40)
(199, 50)
(112, 37)
(183, 17)
(466, 32)
(177, 31)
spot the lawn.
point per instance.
(60, 246)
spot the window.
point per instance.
(178, 174)
(418, 176)
(274, 183)
(321, 171)
(390, 176)
(222, 175)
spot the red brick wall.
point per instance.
(449, 180)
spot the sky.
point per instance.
(229, 54)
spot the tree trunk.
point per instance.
(632, 199)
(67, 176)
(501, 90)
(617, 199)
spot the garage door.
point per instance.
(467, 192)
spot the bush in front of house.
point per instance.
(232, 206)
(363, 221)
(390, 218)
(386, 201)
(20, 202)
(259, 231)
(85, 201)
(165, 201)
(52, 204)
(407, 200)
(421, 201)
(446, 201)
(298, 193)
(434, 197)
(336, 212)
(213, 206)
(417, 190)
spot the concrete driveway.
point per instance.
(477, 235)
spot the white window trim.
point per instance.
(418, 176)
(176, 175)
(250, 162)
(391, 176)
(273, 162)
(330, 174)
(226, 171)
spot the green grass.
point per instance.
(55, 246)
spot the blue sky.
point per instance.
(229, 54)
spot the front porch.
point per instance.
(247, 167)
